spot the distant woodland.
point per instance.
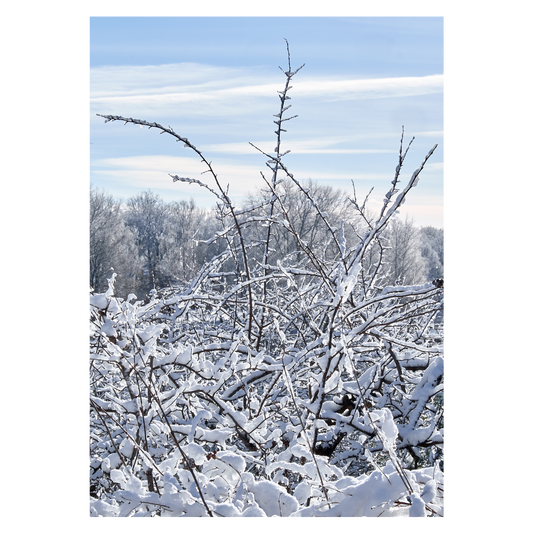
(152, 244)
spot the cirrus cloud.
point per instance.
(219, 87)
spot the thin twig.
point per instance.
(298, 413)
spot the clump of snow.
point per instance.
(99, 301)
(418, 507)
(254, 511)
(273, 499)
(108, 328)
(233, 460)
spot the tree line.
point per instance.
(152, 244)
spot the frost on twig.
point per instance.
(198, 182)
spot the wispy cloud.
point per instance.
(216, 90)
(371, 88)
(205, 89)
(153, 172)
(310, 146)
(434, 167)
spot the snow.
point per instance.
(214, 435)
(126, 448)
(233, 460)
(99, 301)
(195, 452)
(386, 422)
(274, 499)
(429, 383)
(302, 492)
(430, 491)
(418, 507)
(108, 328)
(226, 510)
(413, 437)
(203, 414)
(254, 511)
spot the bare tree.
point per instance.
(111, 245)
(432, 250)
(182, 244)
(303, 217)
(406, 266)
(146, 216)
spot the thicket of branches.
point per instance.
(281, 381)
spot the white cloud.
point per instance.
(435, 167)
(430, 134)
(153, 172)
(371, 88)
(424, 215)
(205, 89)
(154, 79)
(311, 146)
(220, 90)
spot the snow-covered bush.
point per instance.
(300, 387)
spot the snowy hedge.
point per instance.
(301, 388)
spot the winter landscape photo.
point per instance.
(266, 267)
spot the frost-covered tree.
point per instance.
(272, 388)
(146, 217)
(303, 217)
(111, 245)
(432, 250)
(406, 265)
(182, 246)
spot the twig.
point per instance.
(311, 450)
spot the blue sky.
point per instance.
(215, 81)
